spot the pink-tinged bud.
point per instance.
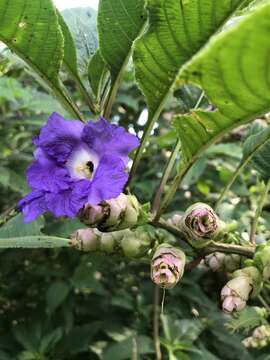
(92, 215)
(223, 262)
(175, 220)
(167, 266)
(259, 338)
(112, 215)
(117, 207)
(246, 282)
(85, 239)
(236, 293)
(200, 224)
(215, 261)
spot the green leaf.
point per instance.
(123, 349)
(70, 60)
(16, 234)
(33, 33)
(56, 294)
(234, 80)
(15, 227)
(98, 75)
(49, 341)
(80, 337)
(81, 22)
(256, 149)
(247, 319)
(177, 31)
(119, 24)
(10, 179)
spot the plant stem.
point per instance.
(134, 355)
(165, 176)
(156, 323)
(62, 95)
(116, 81)
(264, 303)
(173, 188)
(152, 118)
(258, 212)
(86, 95)
(179, 177)
(247, 251)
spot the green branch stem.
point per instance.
(212, 247)
(258, 212)
(179, 177)
(116, 82)
(85, 94)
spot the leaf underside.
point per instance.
(177, 30)
(31, 30)
(235, 81)
(119, 24)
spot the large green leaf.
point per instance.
(177, 31)
(119, 24)
(70, 61)
(235, 81)
(32, 31)
(98, 75)
(81, 22)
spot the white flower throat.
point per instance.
(82, 163)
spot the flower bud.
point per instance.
(114, 214)
(175, 220)
(135, 243)
(236, 292)
(167, 266)
(223, 262)
(215, 261)
(200, 224)
(259, 338)
(85, 239)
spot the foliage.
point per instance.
(204, 64)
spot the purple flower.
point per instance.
(76, 164)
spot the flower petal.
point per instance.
(45, 174)
(102, 137)
(68, 202)
(109, 180)
(33, 205)
(59, 136)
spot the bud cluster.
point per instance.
(262, 260)
(259, 338)
(115, 214)
(219, 262)
(130, 243)
(167, 266)
(246, 282)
